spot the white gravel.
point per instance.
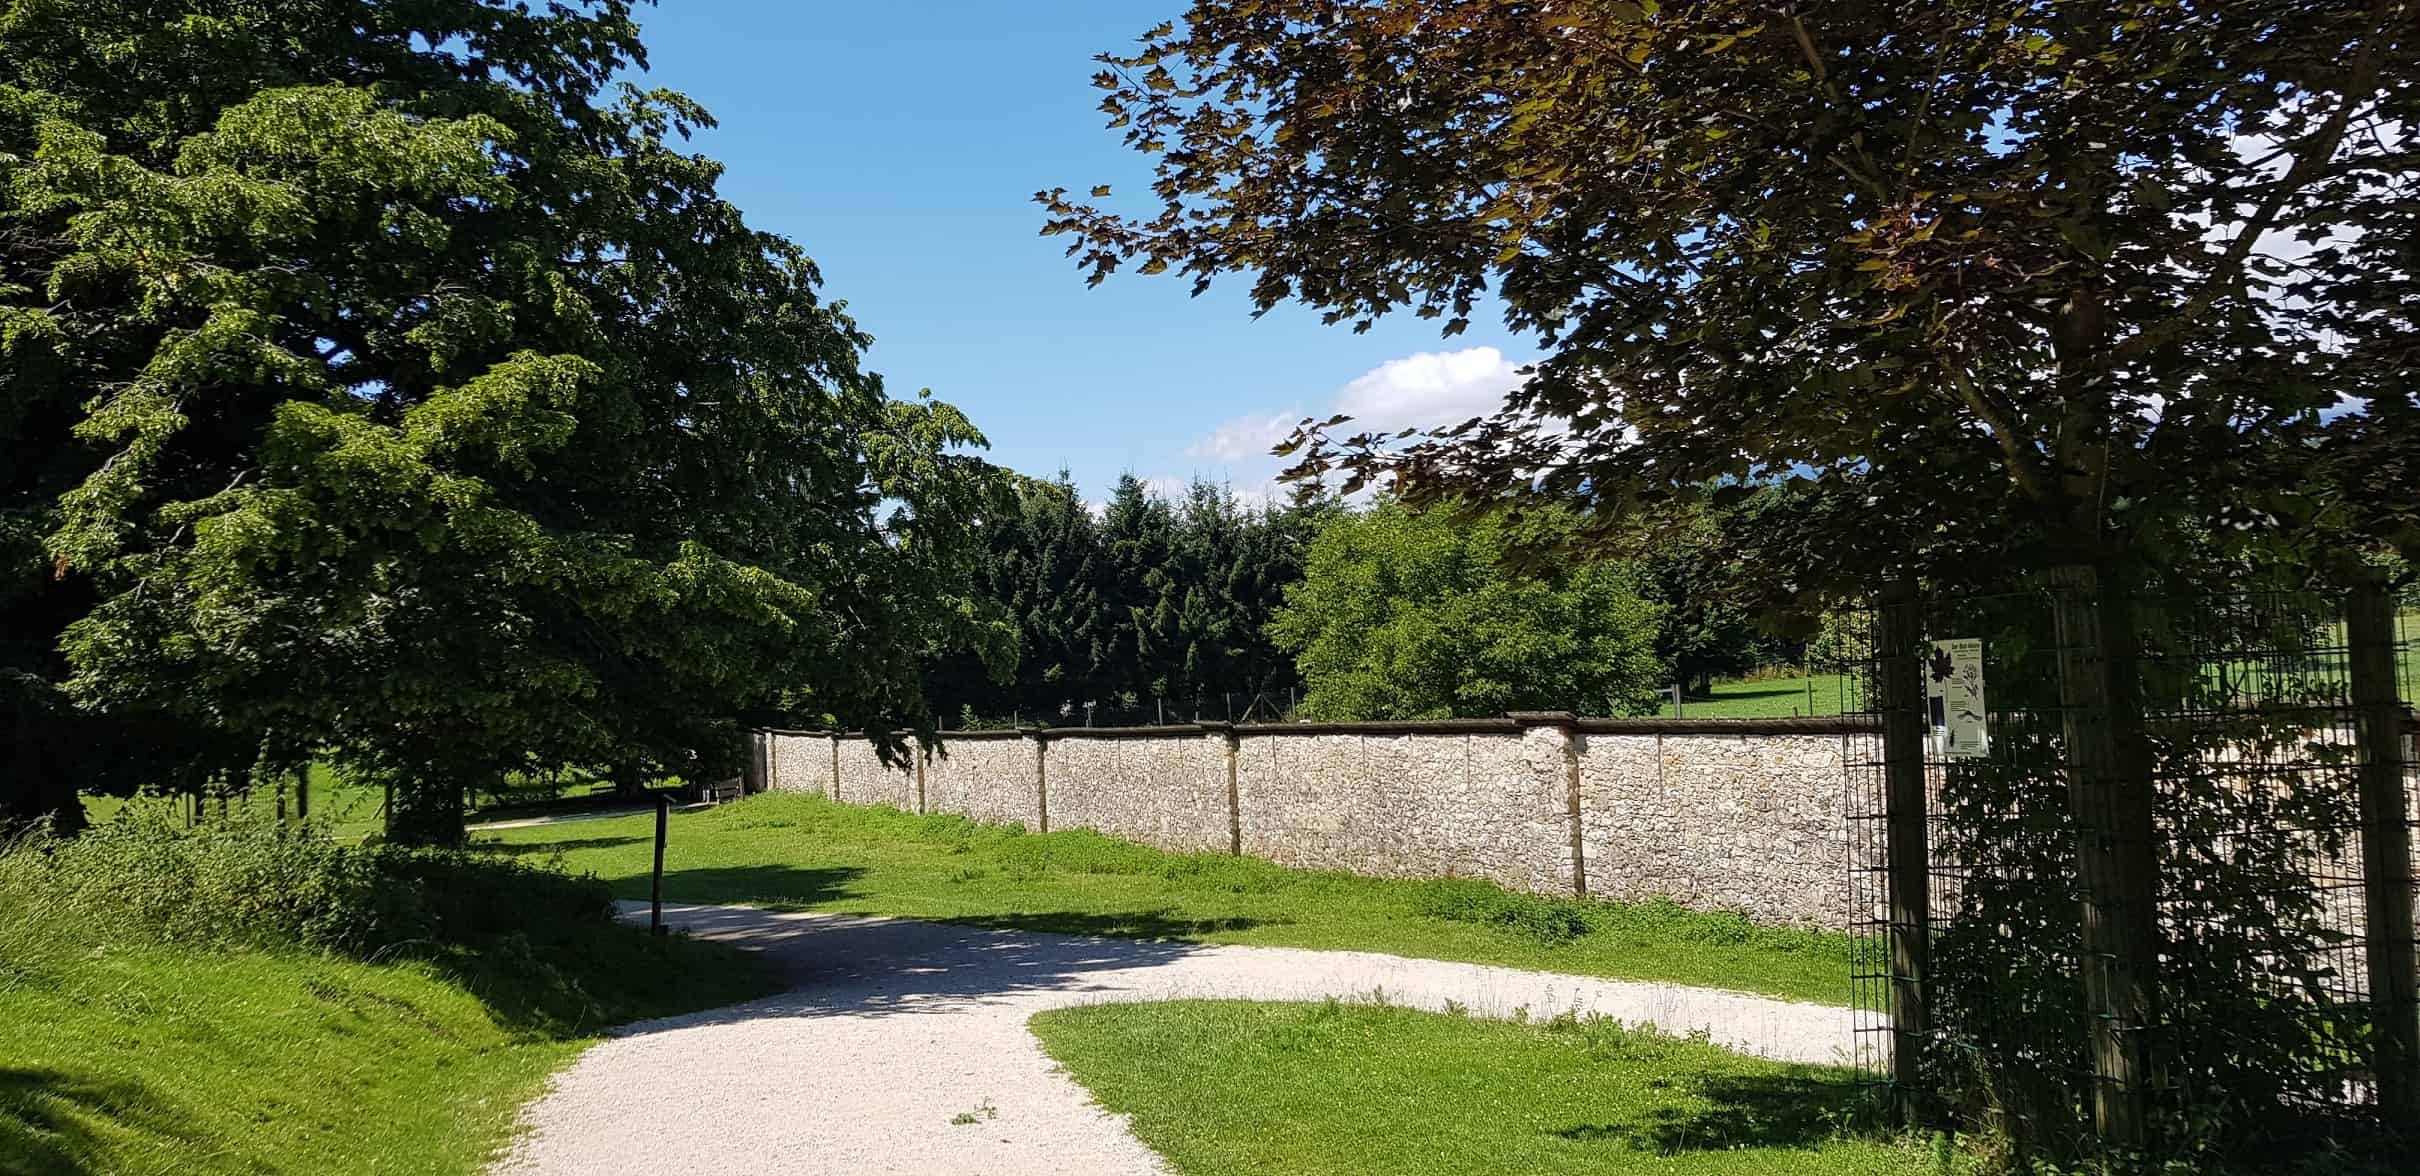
(898, 1027)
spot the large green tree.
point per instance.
(392, 385)
(1407, 614)
(1154, 610)
(2020, 282)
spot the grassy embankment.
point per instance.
(233, 999)
(806, 853)
(1236, 1088)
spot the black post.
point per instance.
(663, 817)
(1907, 855)
(2386, 849)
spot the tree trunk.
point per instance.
(35, 786)
(425, 813)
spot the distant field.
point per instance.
(1769, 698)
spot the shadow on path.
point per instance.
(859, 966)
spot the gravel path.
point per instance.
(896, 1027)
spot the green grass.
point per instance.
(1769, 698)
(339, 807)
(160, 1014)
(154, 1059)
(349, 811)
(798, 852)
(1240, 1088)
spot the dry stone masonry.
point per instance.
(1744, 815)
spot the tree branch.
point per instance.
(2309, 165)
(2025, 463)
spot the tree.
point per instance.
(2026, 283)
(1152, 608)
(400, 391)
(1405, 614)
(2125, 292)
(1694, 570)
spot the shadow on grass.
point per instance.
(48, 1119)
(583, 980)
(1764, 1110)
(1155, 924)
(605, 800)
(527, 848)
(779, 888)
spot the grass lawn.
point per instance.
(348, 811)
(1771, 698)
(802, 852)
(156, 1059)
(339, 807)
(1239, 1088)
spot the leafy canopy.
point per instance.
(397, 385)
(2012, 281)
(1407, 614)
(1155, 610)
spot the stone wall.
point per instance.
(989, 779)
(1740, 815)
(1751, 823)
(1169, 791)
(1492, 805)
(862, 778)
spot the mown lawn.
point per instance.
(799, 852)
(1771, 698)
(1237, 1088)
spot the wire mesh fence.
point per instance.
(2144, 911)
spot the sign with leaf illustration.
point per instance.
(1953, 686)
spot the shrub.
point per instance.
(251, 883)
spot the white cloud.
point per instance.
(1245, 437)
(1421, 391)
(1430, 389)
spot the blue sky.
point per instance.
(901, 144)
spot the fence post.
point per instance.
(2112, 814)
(753, 768)
(835, 766)
(1907, 852)
(2386, 852)
(924, 755)
(1041, 776)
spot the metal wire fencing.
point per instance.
(2146, 919)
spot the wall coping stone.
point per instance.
(1516, 721)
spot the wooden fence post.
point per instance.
(2386, 852)
(836, 767)
(1907, 853)
(2114, 862)
(924, 756)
